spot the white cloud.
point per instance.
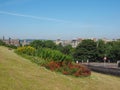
(30, 16)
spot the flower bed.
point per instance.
(69, 69)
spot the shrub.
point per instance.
(54, 60)
(69, 69)
(26, 50)
(52, 55)
(53, 65)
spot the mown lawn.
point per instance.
(17, 73)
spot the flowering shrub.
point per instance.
(54, 60)
(53, 65)
(69, 69)
(26, 50)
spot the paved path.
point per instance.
(105, 68)
(107, 65)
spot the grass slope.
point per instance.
(17, 73)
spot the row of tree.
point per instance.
(97, 51)
(86, 50)
(50, 44)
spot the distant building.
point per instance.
(79, 40)
(106, 40)
(58, 41)
(15, 42)
(25, 42)
(94, 39)
(66, 42)
(74, 43)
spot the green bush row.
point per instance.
(44, 53)
(26, 50)
(53, 60)
(52, 55)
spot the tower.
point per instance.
(9, 40)
(3, 38)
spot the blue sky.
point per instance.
(64, 19)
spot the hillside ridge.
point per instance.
(17, 73)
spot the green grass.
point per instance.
(17, 73)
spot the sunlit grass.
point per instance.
(17, 73)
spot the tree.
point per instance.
(85, 50)
(114, 51)
(50, 44)
(59, 47)
(37, 44)
(43, 44)
(67, 49)
(101, 50)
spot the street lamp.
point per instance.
(105, 58)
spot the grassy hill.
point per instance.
(17, 73)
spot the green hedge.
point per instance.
(44, 53)
(53, 60)
(26, 50)
(52, 55)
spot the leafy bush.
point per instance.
(53, 60)
(52, 55)
(44, 53)
(26, 50)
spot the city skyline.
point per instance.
(63, 19)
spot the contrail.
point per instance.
(30, 16)
(48, 19)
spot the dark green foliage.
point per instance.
(37, 44)
(50, 44)
(110, 49)
(86, 50)
(101, 50)
(43, 44)
(59, 47)
(67, 49)
(114, 51)
(50, 54)
(96, 51)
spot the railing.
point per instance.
(105, 70)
